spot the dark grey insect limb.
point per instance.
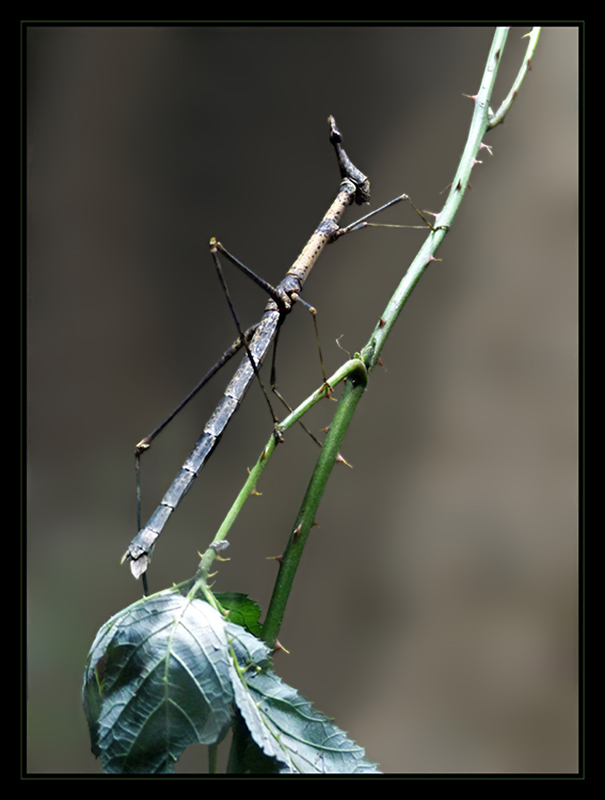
(280, 297)
(354, 187)
(363, 223)
(145, 443)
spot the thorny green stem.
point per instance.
(248, 488)
(498, 117)
(354, 388)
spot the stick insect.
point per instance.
(354, 188)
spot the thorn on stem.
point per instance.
(253, 491)
(341, 460)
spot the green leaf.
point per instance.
(158, 678)
(243, 611)
(168, 672)
(283, 724)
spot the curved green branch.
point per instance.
(353, 390)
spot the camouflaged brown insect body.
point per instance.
(354, 187)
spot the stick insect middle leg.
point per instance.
(284, 302)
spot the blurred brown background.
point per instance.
(435, 612)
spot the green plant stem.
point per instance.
(200, 583)
(212, 759)
(371, 352)
(498, 117)
(354, 388)
(479, 124)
